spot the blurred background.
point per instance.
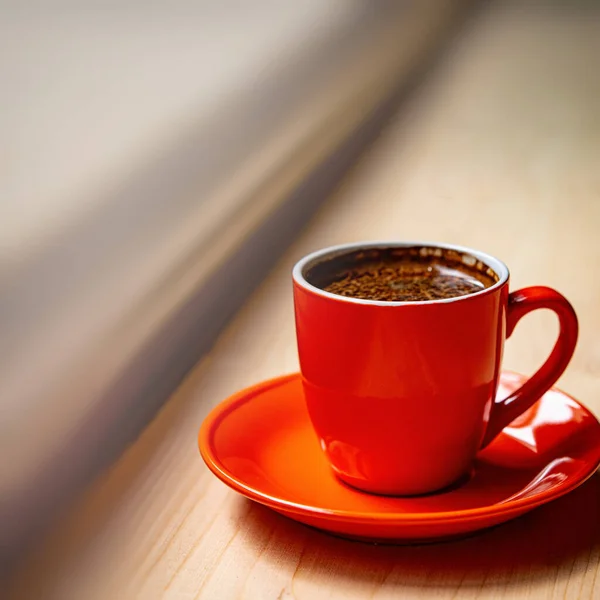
(156, 158)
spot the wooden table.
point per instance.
(499, 151)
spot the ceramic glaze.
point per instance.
(261, 443)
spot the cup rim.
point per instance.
(332, 251)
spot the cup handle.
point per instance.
(520, 303)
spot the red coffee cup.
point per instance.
(402, 395)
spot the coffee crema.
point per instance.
(403, 274)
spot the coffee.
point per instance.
(402, 274)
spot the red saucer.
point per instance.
(260, 442)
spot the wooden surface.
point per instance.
(499, 151)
